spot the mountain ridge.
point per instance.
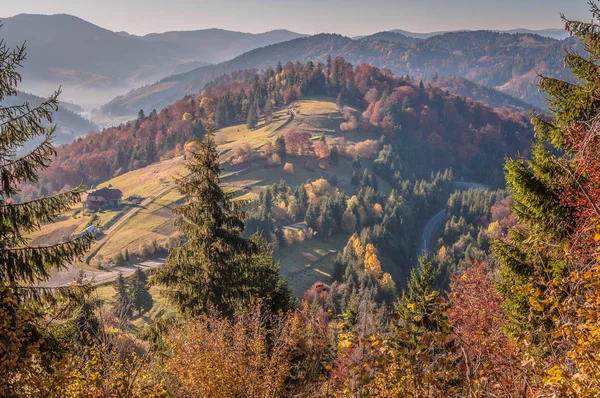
(501, 61)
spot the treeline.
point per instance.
(473, 219)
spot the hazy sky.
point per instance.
(348, 17)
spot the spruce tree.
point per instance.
(533, 254)
(140, 293)
(419, 339)
(216, 266)
(122, 308)
(23, 267)
(340, 101)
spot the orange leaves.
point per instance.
(288, 168)
(322, 149)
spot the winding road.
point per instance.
(425, 242)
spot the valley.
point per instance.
(202, 212)
(151, 222)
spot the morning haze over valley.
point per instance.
(300, 199)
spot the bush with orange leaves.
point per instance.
(288, 168)
(251, 355)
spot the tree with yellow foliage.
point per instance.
(372, 263)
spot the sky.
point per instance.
(347, 17)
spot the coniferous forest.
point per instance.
(332, 230)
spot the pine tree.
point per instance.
(122, 308)
(216, 265)
(140, 293)
(422, 355)
(268, 110)
(22, 267)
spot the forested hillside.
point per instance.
(428, 128)
(507, 62)
(314, 229)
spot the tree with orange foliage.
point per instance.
(490, 360)
(298, 142)
(322, 149)
(288, 168)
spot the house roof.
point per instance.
(108, 193)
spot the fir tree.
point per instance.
(123, 307)
(420, 343)
(140, 293)
(216, 267)
(533, 255)
(22, 267)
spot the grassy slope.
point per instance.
(302, 264)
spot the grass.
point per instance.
(106, 292)
(154, 222)
(305, 263)
(148, 180)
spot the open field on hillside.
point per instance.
(303, 263)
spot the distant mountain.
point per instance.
(69, 124)
(558, 34)
(95, 63)
(390, 36)
(506, 62)
(221, 45)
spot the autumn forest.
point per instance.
(287, 215)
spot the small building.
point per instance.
(105, 197)
(135, 199)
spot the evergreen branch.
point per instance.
(51, 295)
(9, 61)
(32, 264)
(21, 124)
(28, 216)
(24, 168)
(42, 111)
